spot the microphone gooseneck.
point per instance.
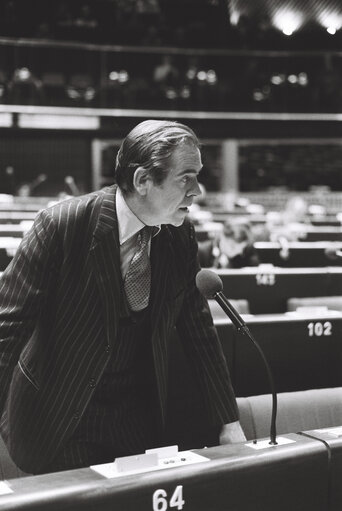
(210, 285)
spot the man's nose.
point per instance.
(195, 190)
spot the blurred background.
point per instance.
(258, 80)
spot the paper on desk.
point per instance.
(332, 431)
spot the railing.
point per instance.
(53, 73)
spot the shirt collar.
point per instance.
(129, 223)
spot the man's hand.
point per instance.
(232, 433)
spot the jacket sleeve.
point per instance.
(203, 348)
(23, 288)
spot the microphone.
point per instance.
(333, 254)
(26, 189)
(70, 182)
(210, 286)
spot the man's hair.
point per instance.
(150, 145)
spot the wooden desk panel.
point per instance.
(332, 438)
(268, 288)
(302, 254)
(303, 350)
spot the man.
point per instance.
(88, 306)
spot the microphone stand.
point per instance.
(241, 326)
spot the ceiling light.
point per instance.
(287, 21)
(234, 18)
(331, 21)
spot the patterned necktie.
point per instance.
(137, 280)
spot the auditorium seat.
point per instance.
(297, 411)
(54, 88)
(8, 469)
(330, 302)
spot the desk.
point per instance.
(289, 477)
(267, 288)
(303, 350)
(332, 438)
(321, 233)
(15, 217)
(302, 254)
(14, 230)
(8, 247)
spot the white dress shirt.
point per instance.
(129, 226)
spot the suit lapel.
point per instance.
(106, 256)
(162, 256)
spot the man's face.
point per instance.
(169, 202)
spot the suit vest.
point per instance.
(122, 412)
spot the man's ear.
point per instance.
(141, 180)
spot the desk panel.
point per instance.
(304, 352)
(267, 288)
(323, 234)
(301, 254)
(332, 438)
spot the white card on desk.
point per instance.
(110, 470)
(4, 488)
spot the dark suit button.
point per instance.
(92, 383)
(76, 414)
(107, 348)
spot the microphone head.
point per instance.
(208, 283)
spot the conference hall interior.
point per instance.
(260, 83)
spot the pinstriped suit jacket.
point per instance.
(59, 309)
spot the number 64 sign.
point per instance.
(160, 500)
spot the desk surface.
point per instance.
(15, 230)
(9, 242)
(16, 216)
